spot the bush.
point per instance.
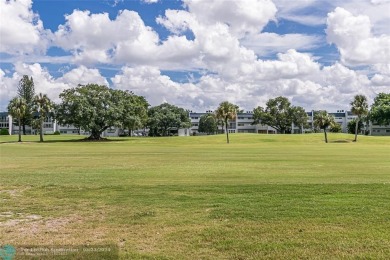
(4, 131)
(351, 126)
(336, 128)
(57, 133)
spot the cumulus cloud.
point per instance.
(21, 30)
(352, 36)
(96, 38)
(8, 87)
(242, 16)
(223, 41)
(44, 82)
(149, 82)
(294, 75)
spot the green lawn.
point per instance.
(261, 196)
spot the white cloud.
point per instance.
(269, 43)
(242, 16)
(377, 10)
(8, 87)
(352, 35)
(300, 11)
(294, 75)
(96, 38)
(222, 45)
(44, 82)
(21, 30)
(83, 75)
(150, 1)
(157, 88)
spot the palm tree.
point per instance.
(226, 111)
(43, 106)
(359, 107)
(17, 108)
(323, 120)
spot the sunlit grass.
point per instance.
(261, 196)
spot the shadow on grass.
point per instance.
(341, 141)
(83, 140)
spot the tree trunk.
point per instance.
(227, 132)
(20, 132)
(41, 131)
(356, 130)
(95, 135)
(326, 136)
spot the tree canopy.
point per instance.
(43, 106)
(323, 121)
(351, 126)
(280, 114)
(166, 117)
(225, 112)
(135, 114)
(17, 108)
(207, 124)
(359, 107)
(94, 108)
(380, 110)
(26, 90)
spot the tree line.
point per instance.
(95, 108)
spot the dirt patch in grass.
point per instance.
(12, 193)
(11, 219)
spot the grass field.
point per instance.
(261, 196)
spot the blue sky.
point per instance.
(198, 53)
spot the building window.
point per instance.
(240, 124)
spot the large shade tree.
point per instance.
(26, 90)
(135, 111)
(323, 121)
(359, 107)
(226, 112)
(17, 108)
(43, 106)
(166, 117)
(380, 109)
(280, 114)
(207, 124)
(93, 108)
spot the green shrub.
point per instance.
(336, 128)
(4, 131)
(57, 133)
